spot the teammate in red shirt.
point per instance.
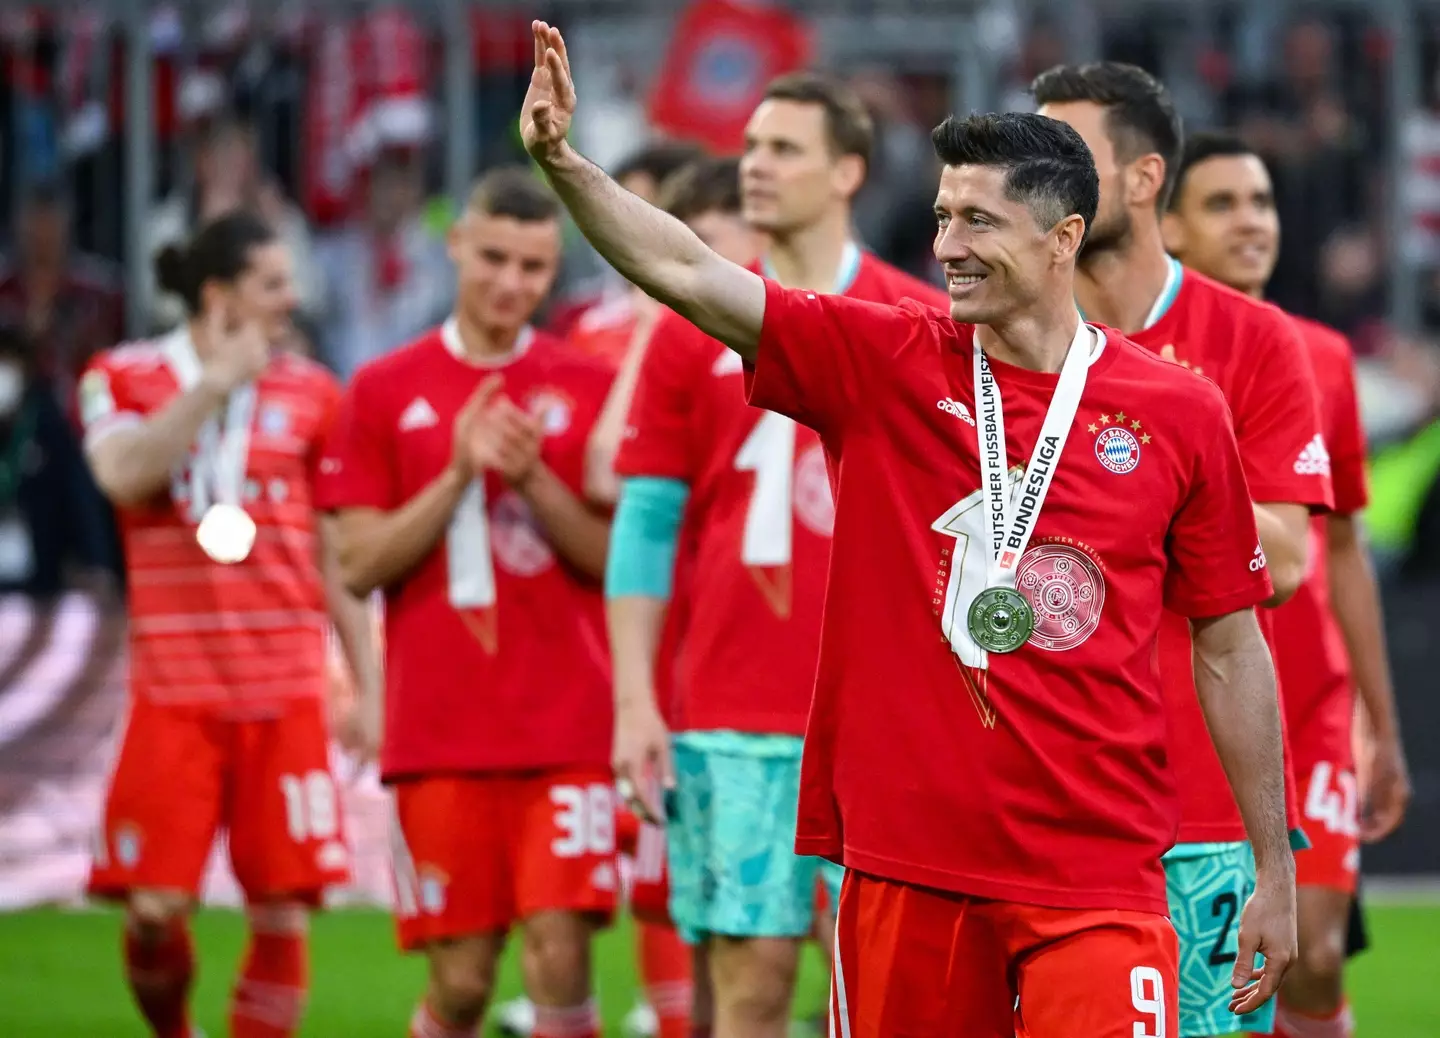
(1222, 222)
(455, 469)
(1253, 353)
(208, 441)
(754, 491)
(986, 746)
(705, 194)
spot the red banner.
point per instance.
(722, 56)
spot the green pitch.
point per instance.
(60, 976)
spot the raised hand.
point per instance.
(550, 102)
(239, 352)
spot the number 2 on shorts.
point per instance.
(1147, 995)
(1228, 904)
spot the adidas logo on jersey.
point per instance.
(419, 415)
(1258, 562)
(956, 408)
(1314, 460)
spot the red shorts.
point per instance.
(928, 964)
(474, 854)
(650, 880)
(184, 773)
(1332, 808)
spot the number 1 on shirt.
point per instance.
(471, 567)
(765, 548)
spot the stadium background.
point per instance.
(364, 122)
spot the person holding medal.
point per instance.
(207, 441)
(986, 747)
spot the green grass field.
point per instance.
(60, 976)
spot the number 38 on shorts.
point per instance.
(478, 853)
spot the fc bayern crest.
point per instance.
(1118, 450)
(726, 72)
(432, 883)
(554, 410)
(518, 545)
(1066, 590)
(813, 504)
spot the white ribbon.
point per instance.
(222, 447)
(1011, 521)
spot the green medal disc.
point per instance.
(1000, 619)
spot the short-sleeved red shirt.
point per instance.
(757, 522)
(1252, 351)
(1042, 779)
(1309, 648)
(240, 637)
(495, 653)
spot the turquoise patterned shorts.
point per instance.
(731, 832)
(1208, 884)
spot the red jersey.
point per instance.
(1252, 351)
(1042, 779)
(604, 330)
(1310, 650)
(758, 519)
(235, 637)
(495, 647)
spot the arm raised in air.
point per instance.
(652, 249)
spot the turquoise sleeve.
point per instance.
(645, 537)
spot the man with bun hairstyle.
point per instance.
(207, 441)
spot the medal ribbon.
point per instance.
(1009, 522)
(222, 447)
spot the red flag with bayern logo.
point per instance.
(722, 55)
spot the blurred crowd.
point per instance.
(330, 126)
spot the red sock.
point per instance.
(665, 974)
(269, 995)
(582, 1021)
(425, 1024)
(159, 973)
(1290, 1023)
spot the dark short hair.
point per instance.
(516, 192)
(220, 251)
(1201, 146)
(1140, 115)
(659, 161)
(847, 121)
(1047, 166)
(707, 186)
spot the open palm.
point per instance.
(550, 102)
